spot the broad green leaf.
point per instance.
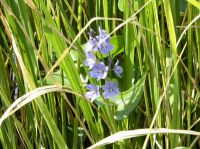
(127, 100)
(130, 100)
(118, 43)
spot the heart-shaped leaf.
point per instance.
(129, 100)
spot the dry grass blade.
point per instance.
(138, 133)
(23, 100)
(186, 29)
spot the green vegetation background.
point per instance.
(42, 73)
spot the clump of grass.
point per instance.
(43, 76)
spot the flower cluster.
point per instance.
(98, 68)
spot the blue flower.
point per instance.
(103, 44)
(103, 35)
(93, 92)
(99, 71)
(118, 69)
(111, 89)
(91, 45)
(90, 60)
(105, 47)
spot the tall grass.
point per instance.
(42, 77)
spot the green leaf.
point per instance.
(121, 5)
(194, 3)
(75, 55)
(57, 78)
(118, 43)
(126, 96)
(130, 100)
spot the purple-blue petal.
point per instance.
(90, 59)
(118, 69)
(103, 35)
(106, 48)
(117, 63)
(90, 55)
(91, 86)
(111, 89)
(93, 92)
(91, 45)
(99, 71)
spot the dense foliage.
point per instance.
(99, 73)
